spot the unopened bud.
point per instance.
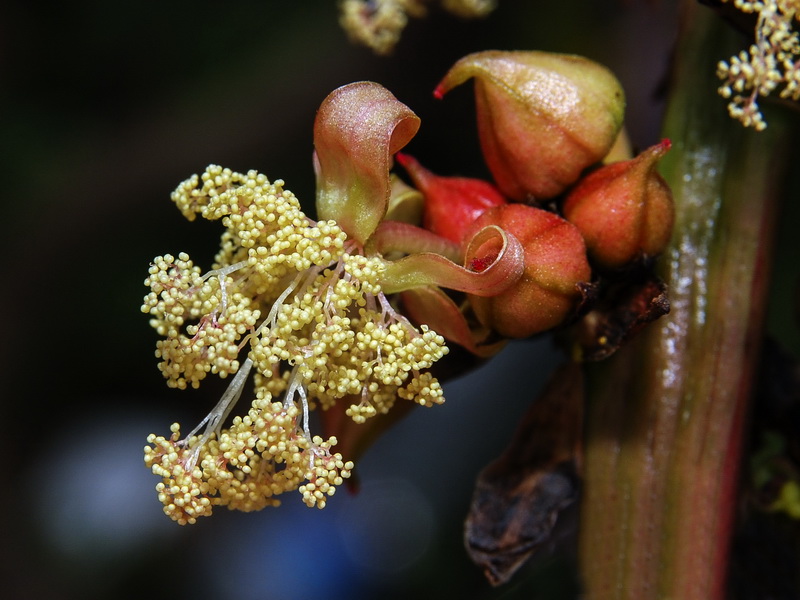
(451, 203)
(555, 263)
(542, 117)
(623, 210)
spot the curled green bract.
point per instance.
(503, 266)
(396, 236)
(358, 129)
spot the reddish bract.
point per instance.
(451, 203)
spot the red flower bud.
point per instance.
(623, 210)
(451, 203)
(555, 262)
(542, 118)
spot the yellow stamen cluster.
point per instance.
(773, 60)
(200, 324)
(379, 23)
(259, 457)
(306, 307)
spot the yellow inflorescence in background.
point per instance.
(296, 302)
(771, 62)
(379, 24)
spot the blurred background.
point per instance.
(104, 108)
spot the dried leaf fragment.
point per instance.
(518, 497)
(621, 311)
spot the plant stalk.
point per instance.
(666, 415)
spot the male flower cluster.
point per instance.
(308, 307)
(303, 306)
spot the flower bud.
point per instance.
(451, 203)
(623, 210)
(542, 117)
(555, 263)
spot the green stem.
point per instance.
(666, 415)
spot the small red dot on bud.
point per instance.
(554, 263)
(479, 265)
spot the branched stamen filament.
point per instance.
(226, 270)
(327, 289)
(276, 306)
(393, 316)
(296, 385)
(219, 413)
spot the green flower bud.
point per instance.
(542, 117)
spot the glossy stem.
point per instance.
(666, 415)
